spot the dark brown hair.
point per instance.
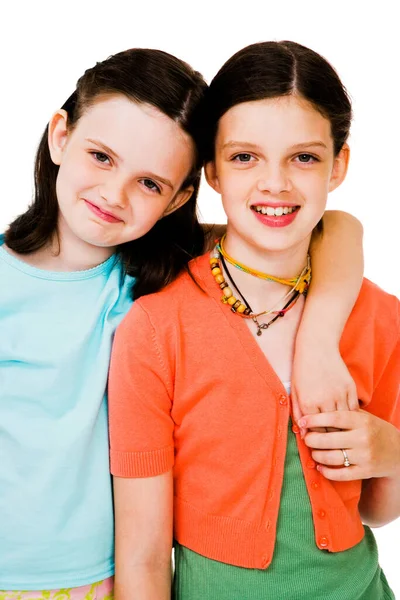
(173, 87)
(274, 69)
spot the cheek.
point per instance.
(145, 212)
(76, 174)
(313, 186)
(235, 183)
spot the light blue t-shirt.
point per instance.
(56, 330)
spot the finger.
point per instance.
(332, 440)
(315, 408)
(340, 419)
(342, 401)
(332, 458)
(344, 474)
(352, 397)
(297, 414)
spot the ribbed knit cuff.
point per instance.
(142, 464)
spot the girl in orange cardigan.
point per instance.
(205, 446)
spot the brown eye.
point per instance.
(305, 158)
(151, 185)
(101, 157)
(243, 157)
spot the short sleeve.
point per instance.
(385, 401)
(140, 400)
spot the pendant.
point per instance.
(261, 326)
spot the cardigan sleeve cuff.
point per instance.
(141, 464)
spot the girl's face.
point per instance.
(274, 166)
(121, 169)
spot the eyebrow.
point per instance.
(235, 144)
(104, 146)
(166, 182)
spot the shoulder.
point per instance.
(375, 319)
(378, 306)
(164, 309)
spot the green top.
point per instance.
(299, 570)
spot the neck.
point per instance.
(68, 253)
(287, 263)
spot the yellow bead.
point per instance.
(219, 278)
(213, 261)
(232, 300)
(241, 308)
(227, 292)
(216, 271)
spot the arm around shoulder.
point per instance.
(321, 380)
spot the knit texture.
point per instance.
(299, 570)
(188, 376)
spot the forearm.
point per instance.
(143, 582)
(337, 271)
(380, 501)
(143, 540)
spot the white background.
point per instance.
(45, 46)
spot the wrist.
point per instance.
(317, 337)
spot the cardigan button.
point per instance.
(311, 464)
(296, 429)
(282, 399)
(314, 485)
(323, 542)
(321, 514)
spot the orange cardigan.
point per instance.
(191, 390)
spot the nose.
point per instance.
(114, 192)
(274, 180)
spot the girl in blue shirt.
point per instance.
(116, 180)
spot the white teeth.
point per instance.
(274, 211)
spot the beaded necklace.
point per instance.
(300, 282)
(242, 307)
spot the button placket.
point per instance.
(323, 542)
(283, 400)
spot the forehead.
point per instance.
(286, 121)
(143, 137)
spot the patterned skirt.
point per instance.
(102, 590)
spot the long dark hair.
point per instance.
(146, 76)
(274, 69)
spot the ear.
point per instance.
(180, 199)
(58, 135)
(340, 166)
(210, 171)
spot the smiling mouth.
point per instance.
(106, 216)
(274, 211)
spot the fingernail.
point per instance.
(303, 433)
(302, 423)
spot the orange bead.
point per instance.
(216, 271)
(219, 278)
(227, 292)
(232, 300)
(241, 308)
